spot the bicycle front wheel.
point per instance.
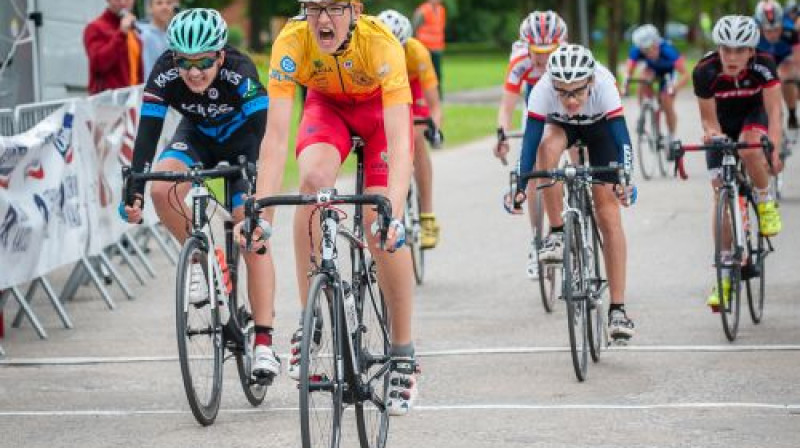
(574, 289)
(199, 333)
(646, 142)
(661, 147)
(372, 343)
(548, 272)
(321, 403)
(755, 270)
(728, 261)
(413, 227)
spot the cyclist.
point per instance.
(357, 82)
(223, 106)
(577, 99)
(426, 104)
(539, 34)
(738, 92)
(662, 60)
(783, 43)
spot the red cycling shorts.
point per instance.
(419, 108)
(333, 122)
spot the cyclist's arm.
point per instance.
(773, 104)
(434, 104)
(683, 78)
(151, 123)
(708, 116)
(619, 132)
(534, 128)
(397, 121)
(507, 104)
(272, 154)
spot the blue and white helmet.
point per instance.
(398, 24)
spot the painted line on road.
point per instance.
(791, 408)
(89, 360)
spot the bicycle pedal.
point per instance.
(263, 380)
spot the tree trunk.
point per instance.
(614, 33)
(660, 12)
(257, 14)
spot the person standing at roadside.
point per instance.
(429, 25)
(114, 48)
(154, 34)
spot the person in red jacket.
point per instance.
(114, 48)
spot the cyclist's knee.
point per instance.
(161, 193)
(314, 180)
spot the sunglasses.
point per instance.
(200, 64)
(573, 93)
(332, 10)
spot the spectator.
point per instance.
(154, 34)
(114, 48)
(429, 24)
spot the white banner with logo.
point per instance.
(43, 199)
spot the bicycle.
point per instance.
(549, 273)
(584, 284)
(209, 318)
(348, 363)
(649, 138)
(740, 250)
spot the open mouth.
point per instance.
(326, 35)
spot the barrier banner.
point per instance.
(43, 199)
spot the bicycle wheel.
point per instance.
(574, 289)
(372, 342)
(321, 403)
(595, 319)
(755, 271)
(728, 260)
(646, 145)
(411, 221)
(253, 390)
(548, 272)
(199, 333)
(660, 147)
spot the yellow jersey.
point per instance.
(420, 65)
(373, 63)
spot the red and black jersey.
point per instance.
(736, 96)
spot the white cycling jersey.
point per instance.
(603, 100)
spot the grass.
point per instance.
(473, 71)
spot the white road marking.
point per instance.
(87, 360)
(791, 408)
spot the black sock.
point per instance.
(263, 335)
(791, 113)
(616, 306)
(558, 229)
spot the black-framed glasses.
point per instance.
(200, 64)
(332, 10)
(572, 93)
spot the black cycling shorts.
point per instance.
(190, 147)
(598, 140)
(733, 128)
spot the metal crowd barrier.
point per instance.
(99, 269)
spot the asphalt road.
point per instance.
(496, 369)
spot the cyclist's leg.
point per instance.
(323, 143)
(554, 141)
(787, 73)
(756, 165)
(168, 198)
(423, 170)
(668, 106)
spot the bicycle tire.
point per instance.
(413, 227)
(372, 342)
(729, 311)
(595, 319)
(319, 393)
(199, 335)
(756, 286)
(574, 287)
(660, 148)
(548, 272)
(254, 391)
(644, 142)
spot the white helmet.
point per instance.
(736, 31)
(397, 23)
(543, 31)
(645, 36)
(769, 14)
(570, 63)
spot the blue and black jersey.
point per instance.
(782, 48)
(235, 104)
(668, 56)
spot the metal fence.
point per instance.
(26, 116)
(6, 122)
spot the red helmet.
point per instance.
(543, 30)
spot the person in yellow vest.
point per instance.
(425, 105)
(429, 23)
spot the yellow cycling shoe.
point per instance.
(713, 299)
(430, 230)
(769, 218)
